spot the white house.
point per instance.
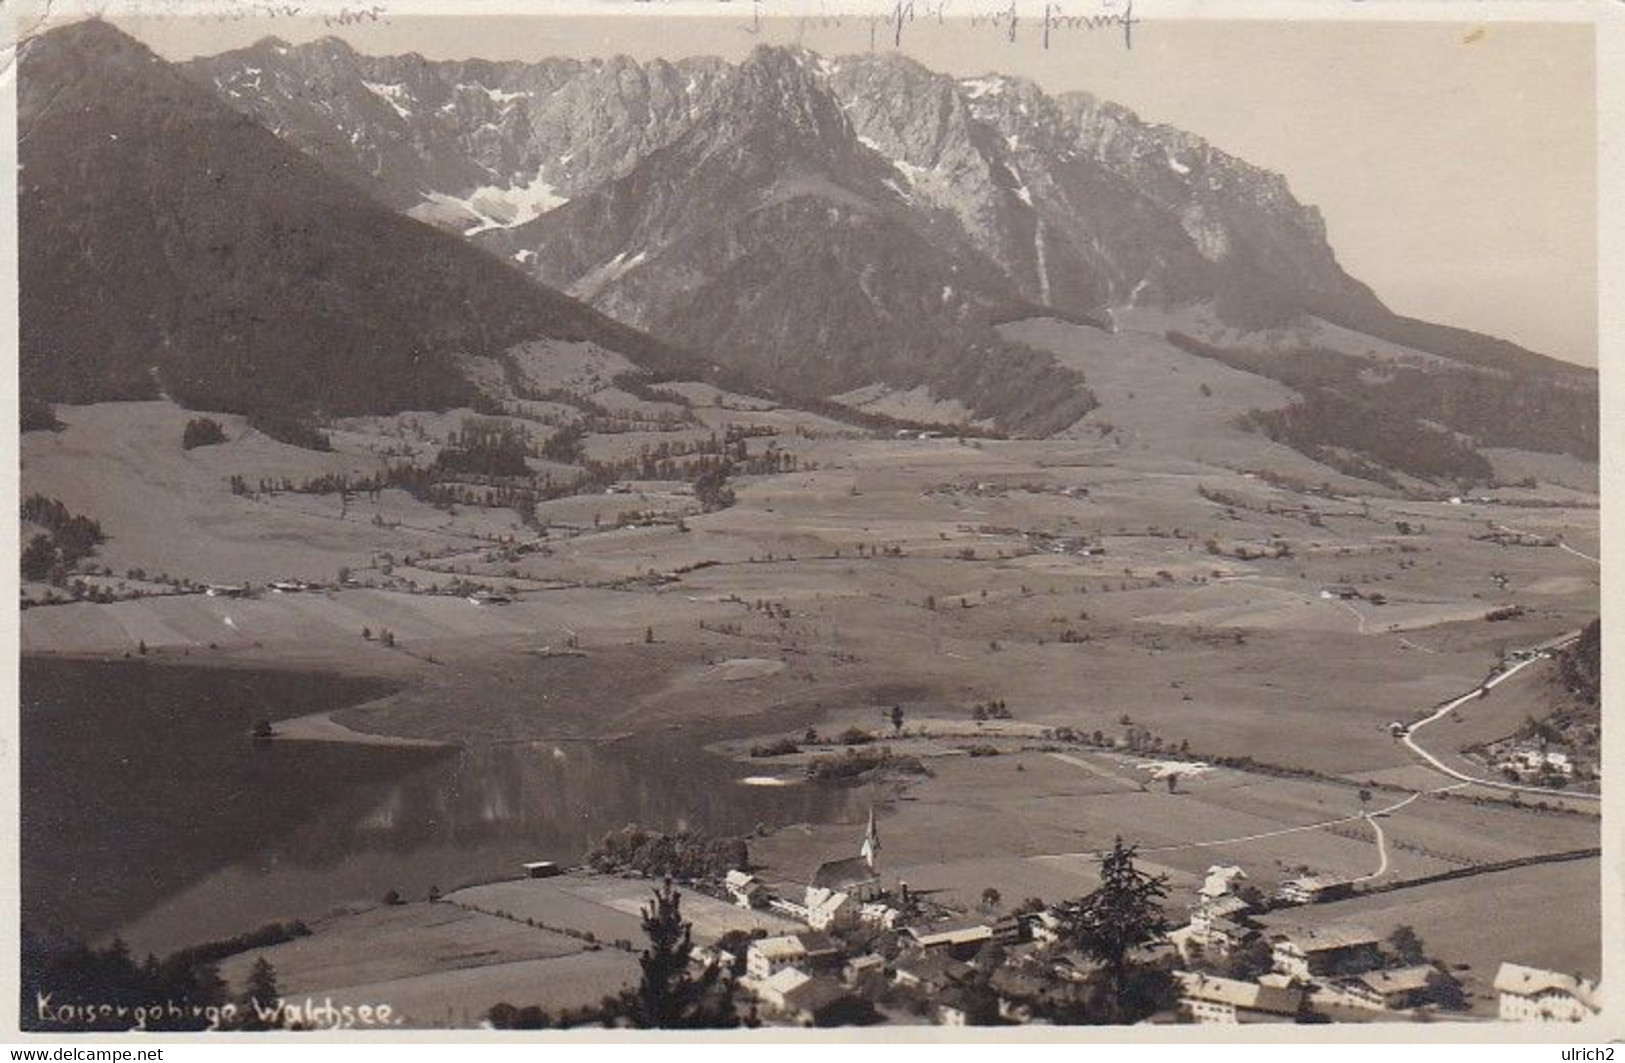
(1531, 994)
(768, 956)
(1539, 762)
(746, 889)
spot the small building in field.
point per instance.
(1328, 951)
(1312, 889)
(1532, 994)
(542, 869)
(1538, 762)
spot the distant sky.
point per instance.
(1455, 164)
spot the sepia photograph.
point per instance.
(750, 517)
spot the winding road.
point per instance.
(1444, 710)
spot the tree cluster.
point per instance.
(685, 855)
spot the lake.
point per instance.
(149, 811)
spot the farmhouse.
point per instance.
(1312, 889)
(1527, 762)
(1395, 990)
(1323, 951)
(1207, 999)
(1531, 994)
(960, 941)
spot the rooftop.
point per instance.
(780, 947)
(814, 994)
(1533, 981)
(1236, 993)
(786, 980)
(1399, 980)
(1327, 938)
(843, 874)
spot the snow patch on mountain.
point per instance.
(976, 88)
(491, 206)
(495, 95)
(394, 95)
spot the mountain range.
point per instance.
(171, 245)
(819, 227)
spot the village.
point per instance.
(856, 947)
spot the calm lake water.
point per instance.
(148, 811)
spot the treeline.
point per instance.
(1579, 667)
(1517, 409)
(293, 427)
(68, 986)
(686, 856)
(488, 448)
(202, 432)
(1365, 438)
(468, 480)
(854, 764)
(67, 539)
